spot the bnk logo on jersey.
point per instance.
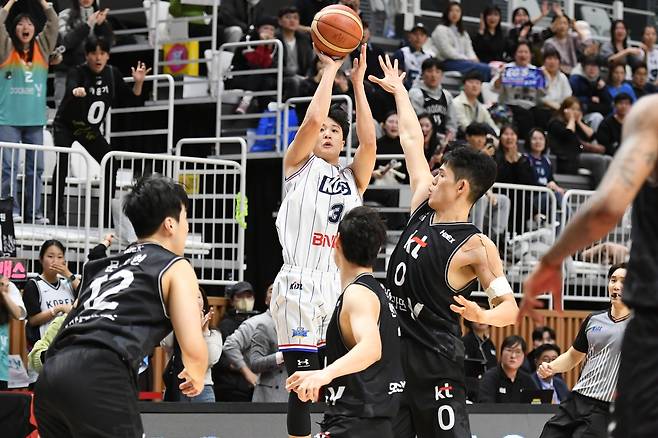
(299, 332)
(334, 186)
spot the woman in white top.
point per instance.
(453, 44)
(650, 52)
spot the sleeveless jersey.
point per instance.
(641, 284)
(437, 108)
(120, 304)
(417, 278)
(51, 296)
(375, 391)
(316, 198)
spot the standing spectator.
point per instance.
(505, 383)
(297, 50)
(82, 20)
(468, 108)
(591, 91)
(650, 52)
(51, 293)
(570, 138)
(412, 56)
(11, 307)
(489, 43)
(617, 49)
(92, 89)
(453, 44)
(521, 87)
(640, 83)
(616, 82)
(609, 132)
(307, 10)
(24, 67)
(557, 88)
(542, 169)
(238, 17)
(548, 353)
(564, 41)
(428, 96)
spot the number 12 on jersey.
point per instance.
(102, 301)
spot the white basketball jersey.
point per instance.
(316, 198)
(51, 296)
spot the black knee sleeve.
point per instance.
(299, 414)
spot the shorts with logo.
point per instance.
(341, 426)
(302, 303)
(433, 404)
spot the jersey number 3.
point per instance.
(336, 213)
(101, 301)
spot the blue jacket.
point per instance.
(559, 385)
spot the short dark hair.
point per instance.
(477, 128)
(431, 62)
(477, 168)
(621, 97)
(362, 234)
(92, 43)
(287, 10)
(472, 75)
(152, 199)
(522, 43)
(544, 348)
(339, 115)
(590, 60)
(513, 340)
(538, 332)
(47, 244)
(638, 65)
(551, 52)
(616, 266)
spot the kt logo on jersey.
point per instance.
(334, 186)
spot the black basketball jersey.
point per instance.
(375, 391)
(641, 285)
(437, 108)
(417, 278)
(120, 304)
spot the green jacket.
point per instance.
(34, 358)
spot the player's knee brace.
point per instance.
(299, 413)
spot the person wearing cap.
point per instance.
(609, 132)
(468, 108)
(412, 56)
(489, 43)
(297, 50)
(590, 89)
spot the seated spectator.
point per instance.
(548, 353)
(616, 83)
(542, 169)
(640, 82)
(307, 10)
(541, 335)
(590, 48)
(266, 360)
(521, 87)
(297, 50)
(591, 91)
(489, 43)
(479, 356)
(411, 57)
(617, 49)
(565, 41)
(51, 293)
(373, 53)
(11, 307)
(428, 97)
(432, 145)
(24, 67)
(236, 17)
(557, 88)
(468, 108)
(83, 19)
(453, 44)
(650, 52)
(570, 139)
(609, 132)
(505, 383)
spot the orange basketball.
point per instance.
(336, 31)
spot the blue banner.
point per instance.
(527, 77)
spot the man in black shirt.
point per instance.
(126, 305)
(363, 379)
(631, 178)
(609, 132)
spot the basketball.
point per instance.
(336, 31)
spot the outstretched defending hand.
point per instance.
(307, 384)
(392, 80)
(470, 310)
(544, 278)
(359, 66)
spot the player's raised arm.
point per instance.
(633, 164)
(411, 134)
(307, 135)
(364, 159)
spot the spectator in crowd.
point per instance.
(522, 24)
(432, 145)
(478, 345)
(609, 132)
(505, 383)
(92, 89)
(542, 169)
(569, 138)
(468, 108)
(51, 293)
(548, 353)
(266, 360)
(616, 83)
(521, 87)
(307, 10)
(373, 53)
(238, 17)
(234, 380)
(640, 82)
(213, 340)
(650, 49)
(24, 67)
(489, 43)
(590, 48)
(82, 20)
(297, 50)
(565, 40)
(541, 335)
(453, 44)
(308, 86)
(412, 55)
(591, 92)
(11, 307)
(617, 49)
(428, 97)
(557, 88)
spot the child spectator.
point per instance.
(489, 43)
(11, 307)
(616, 82)
(412, 56)
(24, 69)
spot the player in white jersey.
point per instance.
(318, 192)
